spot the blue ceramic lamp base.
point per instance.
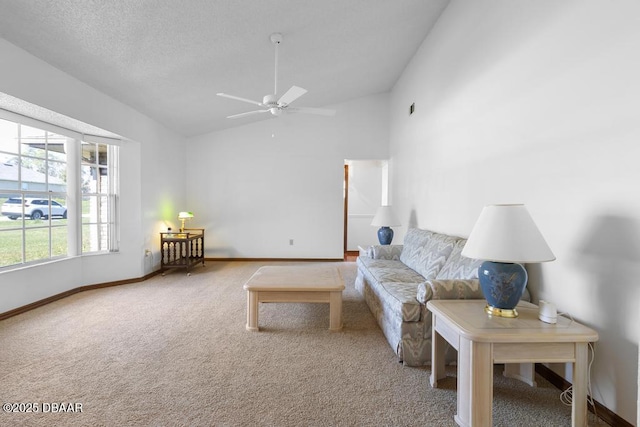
(502, 285)
(385, 235)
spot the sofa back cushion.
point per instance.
(458, 266)
(426, 252)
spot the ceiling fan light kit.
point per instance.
(271, 103)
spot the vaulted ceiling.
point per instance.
(169, 58)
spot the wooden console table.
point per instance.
(182, 250)
(482, 340)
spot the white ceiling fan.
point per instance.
(270, 103)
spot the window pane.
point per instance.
(10, 246)
(104, 237)
(103, 181)
(95, 237)
(104, 209)
(90, 238)
(36, 244)
(56, 145)
(95, 180)
(89, 179)
(88, 153)
(95, 209)
(102, 154)
(57, 177)
(89, 209)
(10, 174)
(59, 240)
(33, 141)
(33, 174)
(8, 136)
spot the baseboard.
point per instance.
(603, 412)
(351, 255)
(70, 292)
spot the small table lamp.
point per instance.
(385, 218)
(505, 236)
(183, 216)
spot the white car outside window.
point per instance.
(34, 208)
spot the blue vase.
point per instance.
(385, 235)
(502, 285)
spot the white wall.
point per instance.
(537, 102)
(255, 187)
(151, 171)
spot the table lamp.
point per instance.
(385, 218)
(183, 216)
(504, 237)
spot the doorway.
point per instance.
(365, 189)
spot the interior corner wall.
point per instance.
(537, 103)
(149, 197)
(258, 188)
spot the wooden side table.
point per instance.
(182, 250)
(482, 340)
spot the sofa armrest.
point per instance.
(449, 289)
(455, 289)
(391, 252)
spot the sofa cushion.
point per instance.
(384, 270)
(401, 298)
(426, 252)
(458, 266)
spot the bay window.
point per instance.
(58, 192)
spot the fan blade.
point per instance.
(291, 95)
(237, 98)
(249, 113)
(319, 111)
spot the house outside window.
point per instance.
(41, 174)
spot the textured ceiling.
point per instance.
(169, 58)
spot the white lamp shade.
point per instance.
(507, 233)
(185, 215)
(385, 217)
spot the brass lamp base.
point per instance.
(500, 312)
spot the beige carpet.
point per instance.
(173, 351)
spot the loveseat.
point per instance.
(398, 280)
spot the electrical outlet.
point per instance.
(147, 252)
(290, 242)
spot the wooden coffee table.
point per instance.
(305, 283)
(482, 340)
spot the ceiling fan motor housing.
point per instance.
(276, 38)
(270, 100)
